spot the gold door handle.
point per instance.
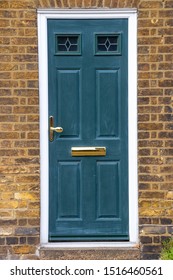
(56, 129)
(53, 129)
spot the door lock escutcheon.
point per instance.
(53, 129)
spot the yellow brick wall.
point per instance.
(19, 122)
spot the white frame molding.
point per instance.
(131, 15)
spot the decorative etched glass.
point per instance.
(68, 44)
(109, 44)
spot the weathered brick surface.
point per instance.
(19, 123)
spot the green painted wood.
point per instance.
(88, 97)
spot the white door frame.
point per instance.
(131, 15)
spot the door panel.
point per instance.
(107, 187)
(68, 89)
(69, 194)
(107, 93)
(88, 195)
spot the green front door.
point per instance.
(88, 160)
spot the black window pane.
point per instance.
(113, 48)
(67, 43)
(106, 43)
(73, 48)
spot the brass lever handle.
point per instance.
(56, 129)
(53, 129)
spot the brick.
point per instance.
(151, 178)
(8, 100)
(8, 222)
(144, 221)
(33, 240)
(22, 4)
(79, 3)
(169, 195)
(144, 203)
(168, 4)
(168, 109)
(166, 152)
(169, 22)
(150, 143)
(8, 32)
(33, 222)
(26, 231)
(154, 229)
(24, 41)
(5, 92)
(3, 250)
(8, 152)
(152, 212)
(150, 126)
(169, 212)
(6, 231)
(150, 109)
(151, 92)
(145, 239)
(152, 248)
(169, 143)
(33, 135)
(170, 230)
(153, 194)
(26, 195)
(2, 241)
(149, 41)
(33, 152)
(24, 249)
(6, 214)
(166, 83)
(166, 117)
(26, 75)
(144, 152)
(23, 23)
(150, 23)
(150, 4)
(27, 160)
(8, 204)
(150, 256)
(12, 240)
(26, 144)
(143, 49)
(9, 84)
(24, 57)
(165, 49)
(165, 31)
(143, 118)
(4, 23)
(26, 127)
(27, 213)
(144, 186)
(143, 135)
(156, 239)
(165, 134)
(22, 240)
(33, 205)
(166, 221)
(22, 222)
(5, 76)
(25, 109)
(26, 179)
(168, 75)
(143, 67)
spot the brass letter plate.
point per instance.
(88, 151)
